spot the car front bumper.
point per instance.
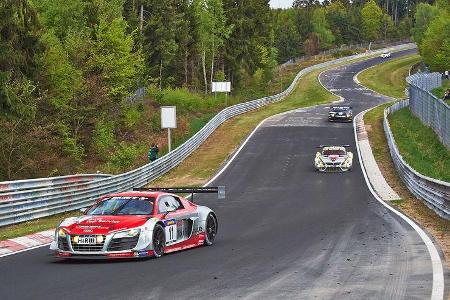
(103, 255)
(340, 118)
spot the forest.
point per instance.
(68, 68)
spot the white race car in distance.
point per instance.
(385, 54)
(333, 158)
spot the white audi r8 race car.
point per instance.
(140, 223)
(333, 158)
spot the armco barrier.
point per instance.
(435, 193)
(431, 110)
(31, 204)
(60, 181)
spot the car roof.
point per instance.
(333, 148)
(341, 107)
(149, 194)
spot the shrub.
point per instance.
(104, 136)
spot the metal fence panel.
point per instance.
(432, 111)
(18, 205)
(435, 193)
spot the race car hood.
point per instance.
(102, 224)
(333, 159)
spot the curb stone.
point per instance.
(378, 182)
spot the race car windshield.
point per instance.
(340, 108)
(123, 206)
(333, 152)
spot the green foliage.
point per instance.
(404, 28)
(62, 16)
(17, 97)
(60, 77)
(124, 156)
(183, 99)
(425, 14)
(71, 146)
(435, 46)
(371, 15)
(133, 115)
(114, 58)
(104, 136)
(322, 28)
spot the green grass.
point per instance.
(389, 78)
(440, 91)
(419, 145)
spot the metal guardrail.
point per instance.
(435, 193)
(31, 204)
(60, 181)
(432, 111)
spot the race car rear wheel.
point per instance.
(159, 241)
(210, 229)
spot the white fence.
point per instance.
(431, 110)
(18, 205)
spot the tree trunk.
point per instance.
(186, 67)
(396, 12)
(204, 69)
(160, 74)
(212, 61)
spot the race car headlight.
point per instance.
(319, 162)
(127, 233)
(61, 233)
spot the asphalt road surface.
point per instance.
(285, 231)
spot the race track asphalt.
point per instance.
(285, 231)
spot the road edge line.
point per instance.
(437, 292)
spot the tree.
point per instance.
(62, 16)
(322, 28)
(435, 46)
(160, 29)
(114, 57)
(19, 45)
(371, 15)
(287, 38)
(425, 14)
(213, 31)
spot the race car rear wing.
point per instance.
(321, 146)
(220, 190)
(343, 107)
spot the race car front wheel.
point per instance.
(210, 229)
(159, 240)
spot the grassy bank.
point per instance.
(388, 78)
(419, 145)
(440, 91)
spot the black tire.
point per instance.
(159, 241)
(210, 229)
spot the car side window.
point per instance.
(177, 203)
(168, 201)
(163, 204)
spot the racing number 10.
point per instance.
(171, 233)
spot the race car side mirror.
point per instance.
(83, 210)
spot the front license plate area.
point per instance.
(86, 240)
